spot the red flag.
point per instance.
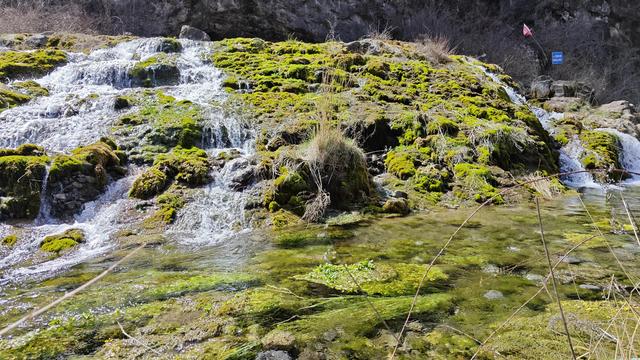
(526, 31)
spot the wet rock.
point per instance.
(534, 277)
(562, 88)
(191, 33)
(273, 355)
(493, 295)
(278, 340)
(396, 206)
(121, 102)
(82, 176)
(590, 287)
(400, 194)
(22, 171)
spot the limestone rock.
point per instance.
(191, 33)
(273, 355)
(563, 104)
(541, 87)
(619, 115)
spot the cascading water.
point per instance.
(79, 110)
(569, 154)
(630, 158)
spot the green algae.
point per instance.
(374, 278)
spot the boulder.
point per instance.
(619, 115)
(191, 33)
(273, 355)
(563, 88)
(563, 104)
(396, 206)
(37, 40)
(278, 340)
(541, 87)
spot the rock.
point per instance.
(541, 87)
(534, 277)
(493, 295)
(278, 340)
(273, 355)
(400, 194)
(563, 104)
(121, 102)
(563, 88)
(37, 40)
(590, 287)
(191, 33)
(620, 115)
(572, 260)
(396, 206)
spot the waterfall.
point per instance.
(80, 109)
(45, 206)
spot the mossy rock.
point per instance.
(10, 98)
(476, 182)
(374, 278)
(157, 70)
(190, 167)
(22, 64)
(9, 240)
(23, 171)
(61, 242)
(31, 88)
(603, 152)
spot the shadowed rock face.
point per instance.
(351, 19)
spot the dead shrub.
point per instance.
(436, 49)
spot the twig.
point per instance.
(631, 220)
(553, 279)
(138, 341)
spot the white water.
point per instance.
(79, 110)
(630, 159)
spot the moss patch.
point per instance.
(61, 242)
(19, 64)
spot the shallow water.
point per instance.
(499, 252)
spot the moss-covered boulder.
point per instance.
(431, 115)
(158, 70)
(189, 167)
(602, 151)
(23, 172)
(23, 64)
(83, 175)
(160, 123)
(61, 242)
(9, 240)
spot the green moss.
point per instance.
(185, 166)
(603, 152)
(10, 98)
(476, 183)
(18, 64)
(31, 87)
(9, 240)
(149, 184)
(401, 164)
(294, 237)
(170, 203)
(96, 160)
(21, 181)
(156, 70)
(373, 278)
(62, 242)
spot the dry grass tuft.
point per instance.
(436, 49)
(40, 16)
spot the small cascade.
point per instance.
(569, 154)
(630, 158)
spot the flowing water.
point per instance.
(79, 110)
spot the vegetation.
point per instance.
(18, 64)
(61, 242)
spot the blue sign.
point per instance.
(557, 58)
